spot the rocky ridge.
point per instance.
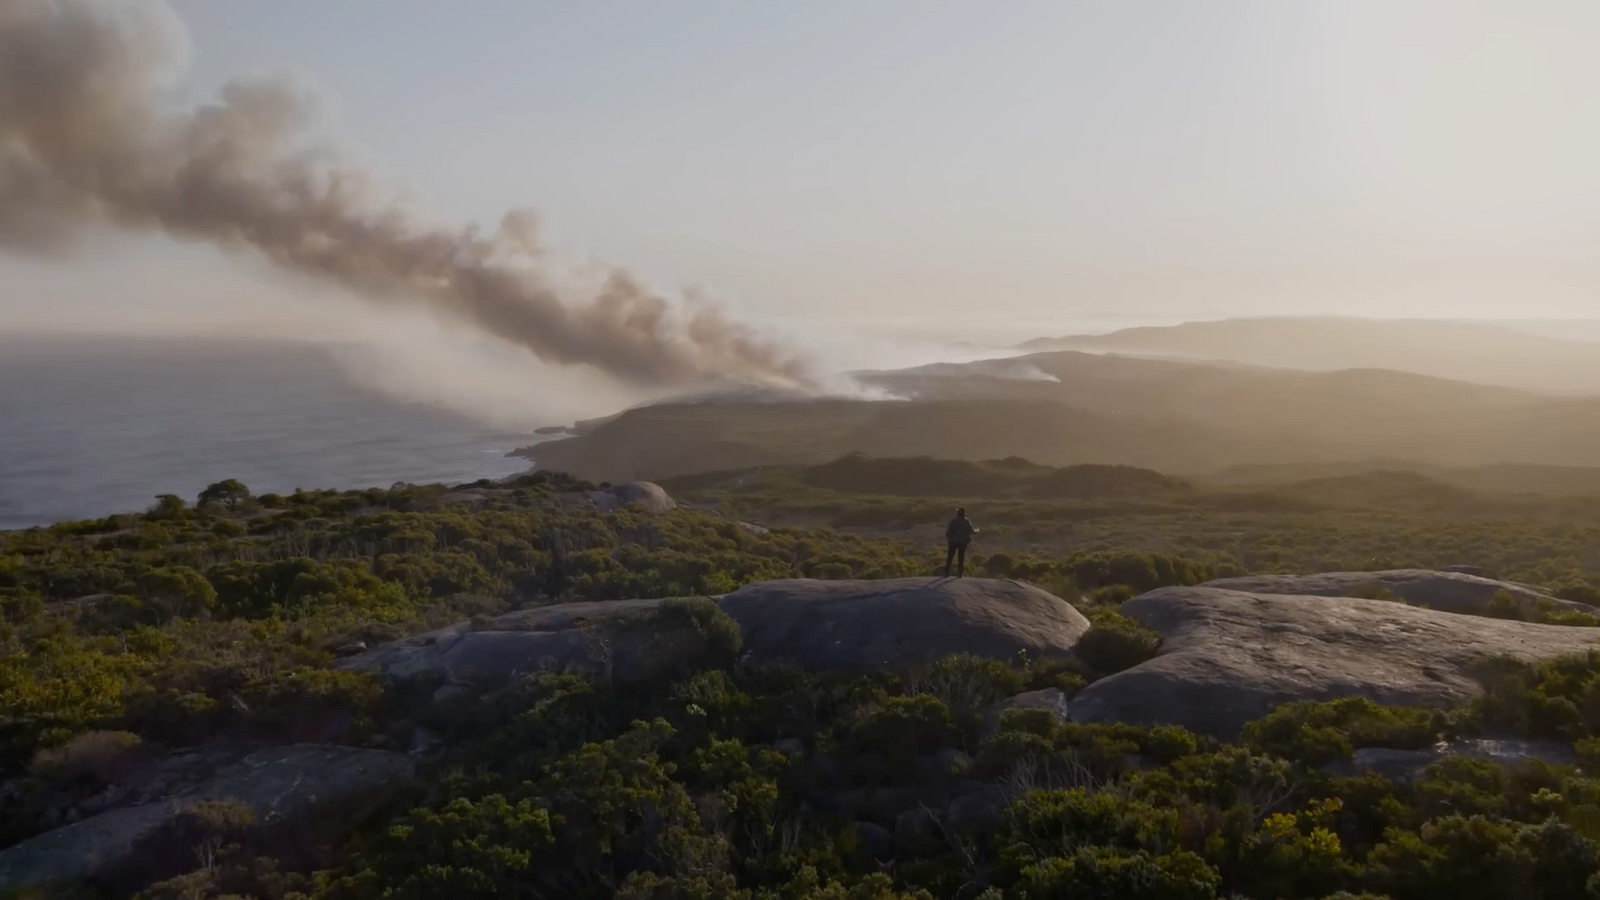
(1230, 656)
(818, 625)
(304, 792)
(1447, 591)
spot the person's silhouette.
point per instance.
(957, 535)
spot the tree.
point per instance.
(168, 506)
(176, 592)
(229, 493)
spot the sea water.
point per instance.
(90, 427)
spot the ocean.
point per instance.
(91, 427)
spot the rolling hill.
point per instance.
(1467, 351)
(1067, 407)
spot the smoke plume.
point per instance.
(93, 133)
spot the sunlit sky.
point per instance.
(970, 167)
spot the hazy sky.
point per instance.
(939, 164)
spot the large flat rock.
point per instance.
(1233, 656)
(543, 638)
(865, 625)
(820, 625)
(649, 495)
(307, 788)
(1455, 592)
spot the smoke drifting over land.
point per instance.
(92, 135)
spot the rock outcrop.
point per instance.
(1457, 592)
(870, 625)
(305, 791)
(1407, 765)
(819, 625)
(647, 494)
(1232, 656)
(561, 637)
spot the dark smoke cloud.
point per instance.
(93, 134)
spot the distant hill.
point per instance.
(1378, 490)
(1066, 408)
(928, 477)
(1466, 351)
(683, 438)
(1500, 478)
(1278, 415)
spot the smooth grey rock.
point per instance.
(1408, 765)
(1457, 592)
(1230, 656)
(296, 787)
(980, 810)
(884, 804)
(484, 655)
(1395, 765)
(857, 625)
(790, 746)
(1052, 700)
(918, 831)
(876, 841)
(820, 625)
(1478, 571)
(843, 804)
(567, 616)
(825, 769)
(424, 741)
(449, 692)
(1510, 751)
(547, 637)
(647, 494)
(944, 765)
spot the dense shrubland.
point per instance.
(562, 788)
(1551, 541)
(184, 620)
(730, 779)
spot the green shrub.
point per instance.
(1056, 674)
(679, 636)
(195, 838)
(489, 849)
(93, 754)
(1115, 642)
(901, 725)
(1053, 823)
(1107, 874)
(1546, 612)
(1588, 752)
(1320, 732)
(1480, 858)
(1581, 592)
(967, 685)
(1167, 743)
(1505, 605)
(1556, 699)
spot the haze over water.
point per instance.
(94, 426)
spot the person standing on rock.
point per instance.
(957, 535)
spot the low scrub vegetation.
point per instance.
(188, 624)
